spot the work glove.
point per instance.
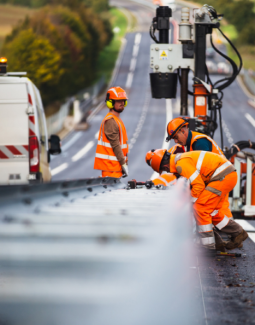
(124, 170)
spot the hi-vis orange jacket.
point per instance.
(105, 158)
(200, 168)
(215, 147)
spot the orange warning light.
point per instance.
(3, 60)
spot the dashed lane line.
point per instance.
(169, 117)
(59, 169)
(68, 144)
(250, 119)
(83, 151)
(129, 80)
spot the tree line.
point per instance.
(59, 45)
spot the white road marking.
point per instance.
(96, 135)
(227, 133)
(141, 121)
(135, 50)
(83, 151)
(129, 80)
(191, 111)
(68, 144)
(59, 169)
(250, 119)
(247, 227)
(138, 38)
(132, 64)
(169, 117)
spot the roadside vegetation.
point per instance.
(64, 45)
(239, 26)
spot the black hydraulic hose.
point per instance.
(152, 35)
(221, 133)
(235, 49)
(238, 146)
(234, 67)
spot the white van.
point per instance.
(24, 147)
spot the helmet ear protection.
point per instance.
(111, 102)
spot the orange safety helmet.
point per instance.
(115, 93)
(154, 157)
(174, 126)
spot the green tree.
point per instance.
(38, 57)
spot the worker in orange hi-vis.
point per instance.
(167, 178)
(178, 130)
(211, 177)
(112, 147)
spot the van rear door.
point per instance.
(14, 156)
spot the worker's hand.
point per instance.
(124, 170)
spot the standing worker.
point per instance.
(211, 177)
(112, 147)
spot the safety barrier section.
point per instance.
(92, 252)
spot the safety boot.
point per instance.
(236, 242)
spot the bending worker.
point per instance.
(165, 179)
(211, 177)
(178, 130)
(112, 147)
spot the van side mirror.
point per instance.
(54, 141)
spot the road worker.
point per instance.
(178, 130)
(167, 178)
(211, 177)
(112, 147)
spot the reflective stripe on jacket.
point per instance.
(215, 147)
(200, 168)
(105, 158)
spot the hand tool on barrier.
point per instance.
(133, 184)
(228, 254)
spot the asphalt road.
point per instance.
(225, 286)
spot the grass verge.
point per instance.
(109, 54)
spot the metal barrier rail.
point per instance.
(64, 188)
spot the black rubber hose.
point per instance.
(239, 145)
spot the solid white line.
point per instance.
(59, 169)
(132, 64)
(250, 119)
(83, 151)
(129, 80)
(169, 117)
(68, 144)
(247, 227)
(96, 135)
(191, 111)
(138, 38)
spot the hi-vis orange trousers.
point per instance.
(111, 174)
(211, 206)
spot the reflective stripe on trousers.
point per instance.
(205, 228)
(223, 223)
(208, 240)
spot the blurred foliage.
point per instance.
(239, 13)
(96, 5)
(59, 48)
